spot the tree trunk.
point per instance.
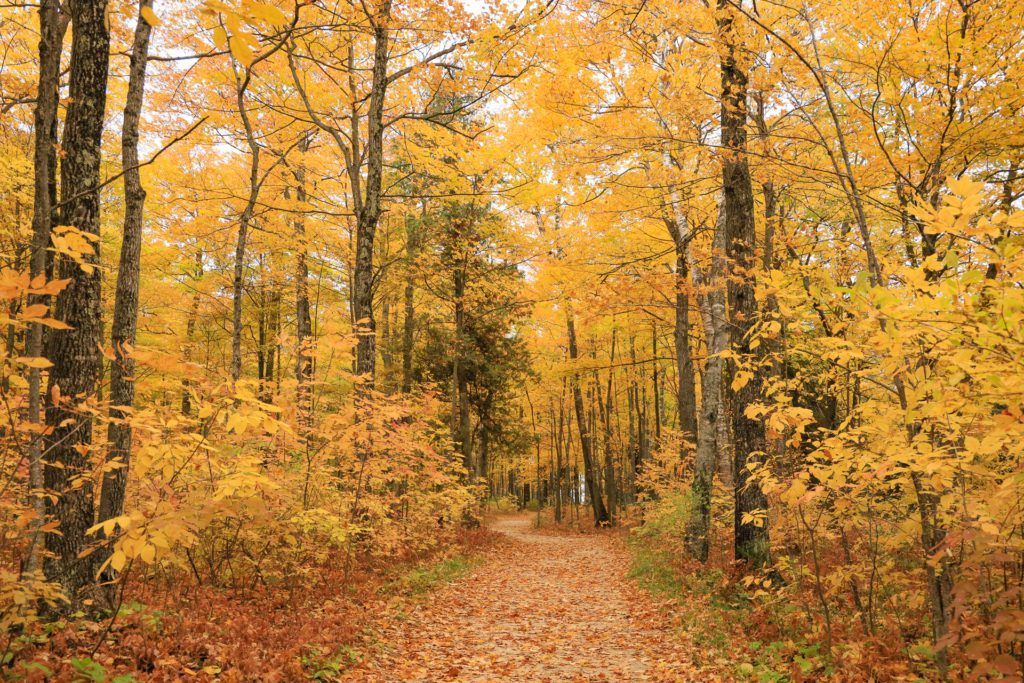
(52, 25)
(751, 539)
(303, 322)
(601, 517)
(656, 385)
(370, 206)
(559, 435)
(75, 352)
(261, 333)
(126, 295)
(685, 380)
(409, 319)
(271, 334)
(243, 228)
(461, 381)
(940, 580)
(633, 445)
(484, 463)
(409, 300)
(387, 357)
(238, 278)
(605, 408)
(190, 331)
(716, 335)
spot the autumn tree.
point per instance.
(751, 522)
(74, 350)
(52, 26)
(126, 296)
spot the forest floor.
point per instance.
(544, 605)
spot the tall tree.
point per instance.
(751, 522)
(686, 391)
(303, 319)
(412, 239)
(243, 77)
(126, 295)
(75, 352)
(52, 26)
(368, 206)
(712, 413)
(590, 466)
(364, 168)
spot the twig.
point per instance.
(152, 159)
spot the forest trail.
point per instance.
(545, 606)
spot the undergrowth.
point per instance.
(739, 633)
(166, 629)
(426, 577)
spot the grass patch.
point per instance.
(503, 505)
(654, 574)
(425, 578)
(322, 666)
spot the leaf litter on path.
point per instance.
(543, 607)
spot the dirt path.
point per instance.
(544, 607)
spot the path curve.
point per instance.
(545, 606)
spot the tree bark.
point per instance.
(52, 25)
(485, 454)
(590, 474)
(716, 336)
(656, 385)
(558, 436)
(271, 333)
(751, 539)
(126, 295)
(369, 211)
(303, 321)
(409, 319)
(190, 331)
(605, 409)
(685, 378)
(244, 220)
(261, 332)
(75, 352)
(387, 357)
(633, 443)
(461, 382)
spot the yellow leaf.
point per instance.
(741, 379)
(237, 423)
(241, 50)
(149, 15)
(964, 187)
(220, 37)
(34, 311)
(35, 362)
(118, 560)
(148, 554)
(270, 14)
